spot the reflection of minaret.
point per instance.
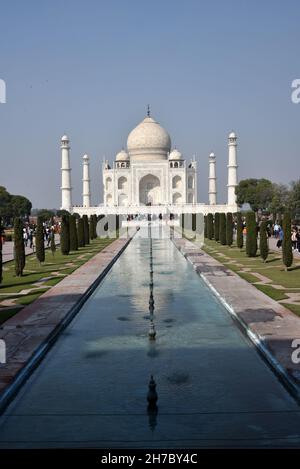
(232, 168)
(212, 187)
(66, 188)
(86, 192)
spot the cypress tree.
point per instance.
(217, 226)
(210, 226)
(239, 230)
(80, 233)
(1, 263)
(229, 229)
(205, 226)
(86, 229)
(251, 240)
(52, 243)
(91, 225)
(182, 220)
(19, 247)
(287, 250)
(95, 226)
(39, 240)
(222, 233)
(263, 241)
(73, 233)
(65, 235)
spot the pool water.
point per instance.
(91, 389)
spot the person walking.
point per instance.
(25, 237)
(280, 237)
(276, 230)
(294, 238)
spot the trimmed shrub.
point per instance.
(222, 232)
(86, 229)
(80, 233)
(229, 229)
(65, 235)
(19, 248)
(52, 242)
(287, 250)
(91, 226)
(239, 230)
(95, 225)
(1, 261)
(251, 241)
(205, 226)
(40, 241)
(210, 226)
(263, 241)
(73, 233)
(217, 226)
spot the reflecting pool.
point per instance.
(91, 389)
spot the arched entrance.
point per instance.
(177, 198)
(149, 190)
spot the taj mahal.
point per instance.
(149, 177)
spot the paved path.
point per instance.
(272, 245)
(270, 324)
(28, 329)
(8, 249)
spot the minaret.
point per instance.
(86, 192)
(212, 186)
(232, 168)
(66, 188)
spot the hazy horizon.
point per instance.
(89, 69)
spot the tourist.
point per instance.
(298, 240)
(280, 236)
(25, 236)
(294, 238)
(30, 238)
(276, 230)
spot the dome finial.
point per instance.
(148, 110)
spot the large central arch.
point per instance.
(149, 190)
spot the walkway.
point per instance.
(8, 249)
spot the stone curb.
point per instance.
(275, 358)
(41, 349)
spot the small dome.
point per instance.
(148, 141)
(232, 135)
(175, 155)
(85, 157)
(122, 156)
(212, 155)
(64, 138)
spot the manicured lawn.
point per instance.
(236, 260)
(294, 308)
(272, 269)
(272, 292)
(44, 275)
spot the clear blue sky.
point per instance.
(89, 68)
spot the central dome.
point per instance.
(148, 141)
